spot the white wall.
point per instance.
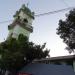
(19, 30)
(23, 15)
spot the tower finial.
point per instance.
(27, 4)
(23, 6)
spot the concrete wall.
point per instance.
(24, 16)
(74, 65)
(18, 30)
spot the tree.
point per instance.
(66, 30)
(17, 53)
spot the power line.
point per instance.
(5, 21)
(43, 14)
(54, 12)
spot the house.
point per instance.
(46, 69)
(61, 60)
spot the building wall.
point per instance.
(74, 65)
(18, 30)
(10, 33)
(24, 16)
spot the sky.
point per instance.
(44, 26)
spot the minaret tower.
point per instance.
(22, 23)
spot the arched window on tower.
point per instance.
(18, 17)
(25, 20)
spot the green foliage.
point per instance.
(66, 30)
(17, 53)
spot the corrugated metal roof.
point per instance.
(47, 69)
(69, 57)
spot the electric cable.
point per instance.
(43, 14)
(54, 12)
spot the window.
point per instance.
(18, 17)
(25, 20)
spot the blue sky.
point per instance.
(44, 26)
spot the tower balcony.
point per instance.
(29, 28)
(21, 24)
